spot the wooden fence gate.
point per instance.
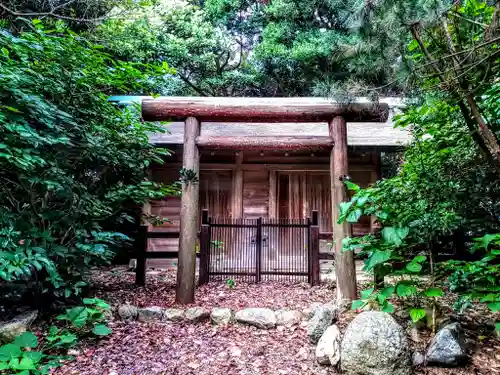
(259, 249)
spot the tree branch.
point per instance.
(52, 14)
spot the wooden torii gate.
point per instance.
(193, 110)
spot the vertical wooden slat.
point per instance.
(141, 244)
(204, 247)
(186, 270)
(345, 269)
(273, 191)
(314, 249)
(258, 250)
(237, 197)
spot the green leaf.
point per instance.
(494, 306)
(351, 186)
(102, 330)
(378, 257)
(404, 290)
(9, 351)
(497, 326)
(416, 314)
(366, 293)
(387, 291)
(419, 259)
(77, 315)
(354, 215)
(434, 292)
(26, 340)
(357, 304)
(388, 308)
(394, 236)
(414, 267)
(26, 363)
(34, 356)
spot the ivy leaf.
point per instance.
(378, 257)
(357, 304)
(419, 259)
(351, 186)
(434, 292)
(354, 216)
(26, 340)
(102, 330)
(366, 293)
(494, 306)
(387, 291)
(416, 314)
(414, 267)
(388, 308)
(403, 290)
(9, 351)
(394, 236)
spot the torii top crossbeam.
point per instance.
(261, 109)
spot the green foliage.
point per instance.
(70, 161)
(230, 283)
(27, 355)
(443, 186)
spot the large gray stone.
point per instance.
(10, 329)
(288, 318)
(127, 312)
(448, 347)
(174, 315)
(197, 314)
(221, 316)
(147, 314)
(374, 344)
(309, 311)
(258, 317)
(323, 318)
(328, 349)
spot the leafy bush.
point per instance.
(443, 187)
(71, 162)
(27, 355)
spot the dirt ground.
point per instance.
(176, 348)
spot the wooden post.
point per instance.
(204, 248)
(258, 251)
(345, 268)
(186, 270)
(375, 176)
(237, 206)
(273, 194)
(141, 245)
(314, 250)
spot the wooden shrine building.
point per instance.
(271, 158)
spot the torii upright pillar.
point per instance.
(345, 268)
(186, 268)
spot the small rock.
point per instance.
(127, 312)
(258, 317)
(73, 352)
(221, 316)
(173, 315)
(328, 349)
(10, 329)
(309, 312)
(417, 359)
(374, 344)
(149, 313)
(448, 347)
(196, 314)
(322, 319)
(132, 264)
(288, 318)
